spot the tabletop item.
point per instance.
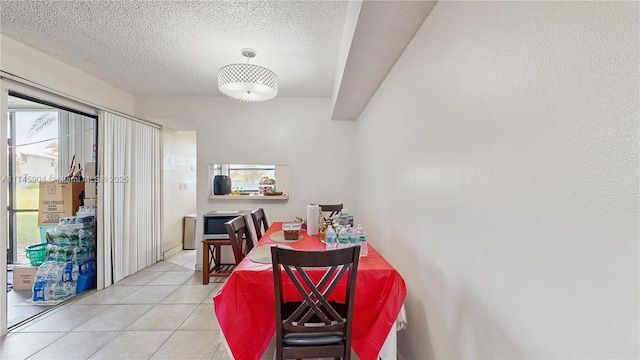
(331, 238)
(312, 219)
(343, 238)
(364, 250)
(291, 230)
(262, 254)
(344, 217)
(279, 237)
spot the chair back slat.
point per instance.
(316, 313)
(331, 209)
(240, 237)
(259, 222)
(312, 299)
(321, 284)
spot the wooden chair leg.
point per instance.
(217, 259)
(205, 264)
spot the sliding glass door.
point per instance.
(42, 141)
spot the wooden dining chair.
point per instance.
(332, 209)
(259, 221)
(315, 327)
(212, 264)
(240, 237)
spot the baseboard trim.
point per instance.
(174, 250)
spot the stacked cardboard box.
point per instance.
(23, 277)
(58, 200)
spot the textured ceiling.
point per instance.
(175, 48)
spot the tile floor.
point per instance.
(161, 312)
(18, 309)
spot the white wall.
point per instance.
(178, 167)
(294, 132)
(21, 60)
(506, 137)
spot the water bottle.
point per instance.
(354, 237)
(364, 250)
(331, 238)
(49, 290)
(343, 238)
(70, 288)
(344, 217)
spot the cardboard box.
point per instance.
(89, 171)
(89, 202)
(90, 189)
(23, 277)
(59, 200)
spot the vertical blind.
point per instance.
(129, 196)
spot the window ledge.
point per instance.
(249, 197)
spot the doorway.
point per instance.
(43, 140)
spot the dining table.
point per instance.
(245, 304)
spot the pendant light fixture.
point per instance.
(247, 82)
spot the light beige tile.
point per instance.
(184, 255)
(221, 354)
(75, 345)
(149, 294)
(203, 318)
(164, 317)
(196, 279)
(22, 345)
(117, 317)
(209, 298)
(132, 345)
(161, 266)
(270, 353)
(139, 278)
(172, 278)
(189, 345)
(66, 319)
(189, 294)
(110, 295)
(187, 264)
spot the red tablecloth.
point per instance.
(245, 304)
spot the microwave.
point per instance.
(214, 228)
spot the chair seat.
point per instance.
(312, 339)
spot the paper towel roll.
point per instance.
(312, 219)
